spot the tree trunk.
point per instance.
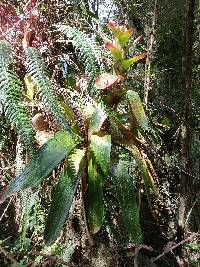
(185, 128)
(150, 46)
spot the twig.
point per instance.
(6, 209)
(53, 258)
(8, 255)
(175, 246)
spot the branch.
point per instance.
(175, 246)
(8, 255)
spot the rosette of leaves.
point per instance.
(87, 159)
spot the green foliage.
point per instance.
(63, 196)
(86, 47)
(36, 69)
(126, 197)
(100, 147)
(96, 121)
(95, 198)
(11, 97)
(139, 118)
(100, 127)
(45, 160)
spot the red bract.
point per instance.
(116, 51)
(121, 33)
(107, 80)
(112, 24)
(138, 39)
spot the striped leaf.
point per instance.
(46, 159)
(63, 196)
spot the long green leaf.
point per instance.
(137, 110)
(95, 198)
(128, 62)
(125, 194)
(101, 147)
(63, 196)
(145, 169)
(46, 159)
(97, 172)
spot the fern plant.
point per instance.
(88, 158)
(36, 69)
(86, 47)
(11, 91)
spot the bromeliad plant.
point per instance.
(86, 146)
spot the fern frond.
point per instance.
(87, 48)
(6, 53)
(11, 97)
(37, 70)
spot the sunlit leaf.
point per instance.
(97, 172)
(45, 160)
(116, 51)
(125, 195)
(137, 110)
(95, 198)
(97, 119)
(101, 147)
(121, 33)
(128, 62)
(63, 196)
(106, 80)
(166, 123)
(31, 88)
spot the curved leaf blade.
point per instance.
(128, 62)
(101, 147)
(46, 159)
(146, 170)
(63, 196)
(106, 81)
(137, 110)
(115, 51)
(97, 119)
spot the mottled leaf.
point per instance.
(63, 196)
(137, 110)
(46, 159)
